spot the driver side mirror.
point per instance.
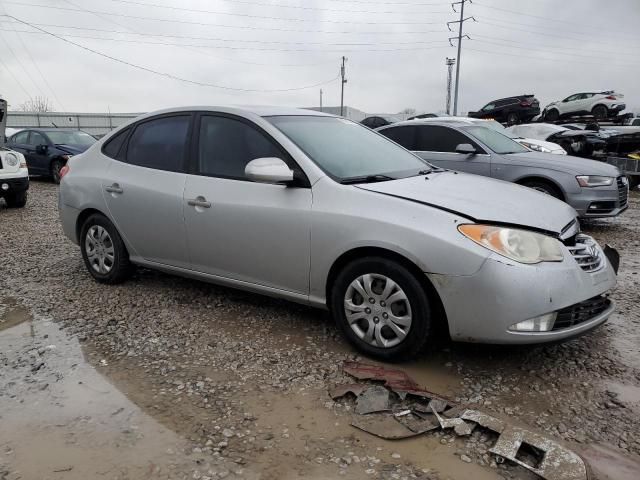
(268, 170)
(42, 149)
(466, 149)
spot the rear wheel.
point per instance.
(16, 200)
(552, 115)
(56, 166)
(600, 111)
(544, 187)
(103, 251)
(382, 308)
(513, 118)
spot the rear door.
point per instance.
(242, 230)
(437, 144)
(144, 186)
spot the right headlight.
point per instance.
(521, 246)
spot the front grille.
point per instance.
(586, 253)
(623, 193)
(581, 312)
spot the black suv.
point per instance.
(510, 110)
(47, 150)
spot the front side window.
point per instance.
(226, 146)
(160, 143)
(435, 138)
(36, 138)
(347, 150)
(496, 141)
(491, 106)
(402, 135)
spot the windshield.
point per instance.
(496, 141)
(62, 137)
(346, 150)
(498, 127)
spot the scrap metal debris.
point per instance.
(410, 417)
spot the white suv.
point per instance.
(599, 103)
(14, 178)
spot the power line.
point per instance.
(6, 67)
(169, 75)
(242, 15)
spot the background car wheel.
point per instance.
(600, 111)
(552, 115)
(103, 251)
(56, 166)
(544, 187)
(382, 308)
(513, 118)
(16, 200)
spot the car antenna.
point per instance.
(54, 124)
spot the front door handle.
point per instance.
(199, 202)
(115, 188)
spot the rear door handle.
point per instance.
(199, 202)
(115, 188)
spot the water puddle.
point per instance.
(62, 419)
(608, 463)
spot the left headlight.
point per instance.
(594, 181)
(535, 148)
(519, 245)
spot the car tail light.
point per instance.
(610, 97)
(64, 170)
(527, 102)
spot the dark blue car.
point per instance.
(48, 149)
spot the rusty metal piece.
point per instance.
(338, 391)
(373, 399)
(383, 426)
(551, 462)
(397, 380)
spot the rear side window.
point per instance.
(434, 138)
(160, 143)
(113, 146)
(404, 136)
(226, 146)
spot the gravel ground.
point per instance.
(243, 378)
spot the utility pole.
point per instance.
(450, 62)
(344, 80)
(320, 99)
(459, 38)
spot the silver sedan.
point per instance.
(320, 210)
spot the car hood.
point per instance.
(482, 199)
(563, 163)
(73, 149)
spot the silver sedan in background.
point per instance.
(320, 210)
(595, 189)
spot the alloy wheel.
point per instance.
(99, 249)
(377, 310)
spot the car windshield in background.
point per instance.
(71, 138)
(347, 150)
(496, 141)
(497, 126)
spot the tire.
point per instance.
(513, 119)
(600, 112)
(544, 187)
(16, 200)
(372, 316)
(552, 115)
(56, 165)
(105, 256)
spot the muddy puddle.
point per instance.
(60, 419)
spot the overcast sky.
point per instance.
(396, 52)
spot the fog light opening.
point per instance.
(543, 323)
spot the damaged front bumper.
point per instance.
(485, 306)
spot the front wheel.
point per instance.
(552, 115)
(543, 187)
(600, 112)
(56, 166)
(16, 200)
(382, 308)
(103, 251)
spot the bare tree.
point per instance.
(37, 104)
(408, 111)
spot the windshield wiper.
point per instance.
(366, 179)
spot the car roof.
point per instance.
(259, 110)
(441, 121)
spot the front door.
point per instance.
(38, 160)
(238, 229)
(437, 144)
(144, 188)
